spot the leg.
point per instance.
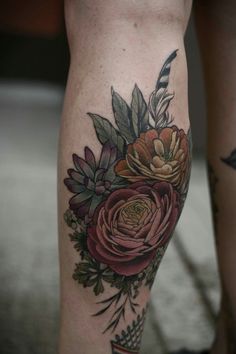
(124, 178)
(217, 34)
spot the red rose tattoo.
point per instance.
(131, 224)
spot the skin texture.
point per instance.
(217, 34)
(113, 44)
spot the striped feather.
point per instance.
(163, 79)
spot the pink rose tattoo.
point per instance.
(131, 224)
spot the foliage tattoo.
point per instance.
(129, 341)
(126, 204)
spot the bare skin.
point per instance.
(217, 36)
(118, 44)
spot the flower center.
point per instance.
(134, 211)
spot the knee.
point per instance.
(140, 13)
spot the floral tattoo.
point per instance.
(129, 341)
(126, 204)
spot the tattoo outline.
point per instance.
(129, 341)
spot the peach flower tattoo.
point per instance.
(126, 203)
(157, 155)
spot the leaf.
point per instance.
(106, 132)
(76, 176)
(96, 200)
(105, 156)
(73, 186)
(83, 267)
(109, 278)
(90, 282)
(139, 111)
(99, 288)
(78, 199)
(81, 278)
(102, 311)
(109, 299)
(123, 117)
(83, 166)
(231, 159)
(81, 243)
(89, 274)
(90, 158)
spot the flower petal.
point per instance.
(73, 186)
(78, 199)
(105, 156)
(83, 166)
(135, 267)
(76, 176)
(90, 158)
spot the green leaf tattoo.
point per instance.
(139, 111)
(106, 132)
(123, 117)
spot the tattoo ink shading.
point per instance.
(230, 160)
(129, 341)
(126, 203)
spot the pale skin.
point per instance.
(112, 43)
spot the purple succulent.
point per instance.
(91, 182)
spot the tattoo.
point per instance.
(129, 341)
(213, 180)
(231, 159)
(126, 204)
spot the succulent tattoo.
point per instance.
(125, 204)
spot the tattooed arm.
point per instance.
(123, 170)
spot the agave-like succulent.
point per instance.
(91, 182)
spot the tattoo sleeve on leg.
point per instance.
(125, 206)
